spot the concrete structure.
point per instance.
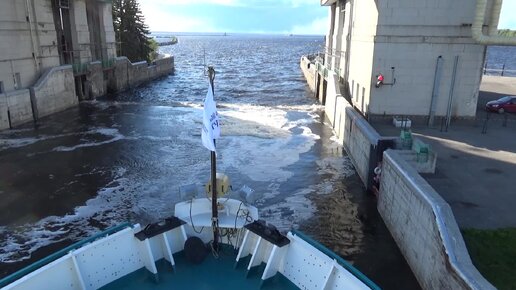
(62, 51)
(308, 69)
(15, 108)
(419, 220)
(53, 92)
(425, 50)
(361, 141)
(475, 172)
(423, 226)
(127, 74)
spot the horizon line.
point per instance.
(235, 33)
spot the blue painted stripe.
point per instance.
(338, 258)
(49, 259)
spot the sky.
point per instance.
(254, 16)
(508, 18)
(236, 16)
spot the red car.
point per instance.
(502, 105)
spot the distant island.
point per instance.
(507, 32)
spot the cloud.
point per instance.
(190, 2)
(162, 20)
(298, 3)
(507, 20)
(319, 26)
(269, 16)
(234, 3)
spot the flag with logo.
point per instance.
(210, 121)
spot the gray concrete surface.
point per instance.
(15, 108)
(53, 92)
(423, 226)
(127, 74)
(475, 172)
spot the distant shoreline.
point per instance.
(208, 34)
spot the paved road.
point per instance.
(476, 173)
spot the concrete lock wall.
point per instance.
(370, 37)
(415, 73)
(15, 108)
(28, 41)
(420, 221)
(127, 74)
(309, 72)
(363, 144)
(54, 92)
(362, 24)
(96, 86)
(410, 38)
(423, 226)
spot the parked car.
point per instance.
(502, 105)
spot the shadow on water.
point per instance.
(347, 221)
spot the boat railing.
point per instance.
(359, 275)
(56, 255)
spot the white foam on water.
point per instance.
(114, 133)
(297, 208)
(8, 143)
(258, 142)
(291, 212)
(19, 142)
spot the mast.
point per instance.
(214, 210)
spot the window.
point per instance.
(1, 87)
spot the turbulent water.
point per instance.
(123, 158)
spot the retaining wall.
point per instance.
(361, 141)
(95, 84)
(15, 108)
(53, 92)
(308, 69)
(127, 74)
(424, 228)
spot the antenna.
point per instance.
(205, 71)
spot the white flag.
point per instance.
(210, 121)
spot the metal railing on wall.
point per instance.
(499, 71)
(79, 68)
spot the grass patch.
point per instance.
(493, 252)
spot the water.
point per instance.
(123, 158)
(500, 56)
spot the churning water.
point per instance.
(123, 158)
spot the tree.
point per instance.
(132, 34)
(507, 32)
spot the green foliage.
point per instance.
(493, 252)
(507, 32)
(132, 34)
(154, 45)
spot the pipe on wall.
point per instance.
(31, 29)
(476, 28)
(495, 17)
